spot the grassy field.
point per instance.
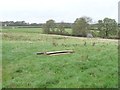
(0, 60)
(89, 67)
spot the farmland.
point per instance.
(0, 61)
(89, 67)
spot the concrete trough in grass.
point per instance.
(55, 52)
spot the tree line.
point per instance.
(106, 28)
(19, 23)
(23, 23)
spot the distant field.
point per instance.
(23, 30)
(89, 67)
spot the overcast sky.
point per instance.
(39, 11)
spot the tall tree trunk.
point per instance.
(106, 34)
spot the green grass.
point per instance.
(22, 30)
(89, 67)
(68, 30)
(0, 62)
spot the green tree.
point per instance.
(60, 28)
(110, 26)
(46, 29)
(101, 28)
(49, 26)
(107, 27)
(80, 26)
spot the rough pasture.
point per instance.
(89, 67)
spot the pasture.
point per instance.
(89, 67)
(0, 60)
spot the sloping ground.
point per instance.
(81, 38)
(85, 38)
(89, 67)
